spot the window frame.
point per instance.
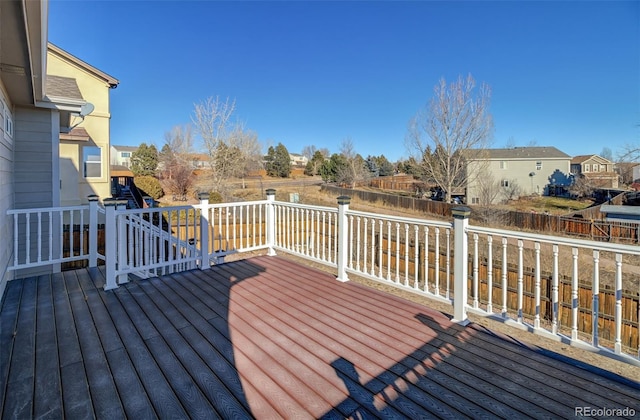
(85, 155)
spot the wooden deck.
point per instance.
(268, 338)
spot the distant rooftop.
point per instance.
(545, 152)
(125, 148)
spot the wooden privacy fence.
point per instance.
(601, 230)
(438, 208)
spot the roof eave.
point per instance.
(110, 80)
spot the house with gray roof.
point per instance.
(496, 175)
(121, 155)
(598, 171)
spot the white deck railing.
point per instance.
(568, 289)
(414, 254)
(46, 236)
(560, 278)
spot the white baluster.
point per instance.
(475, 270)
(504, 278)
(520, 280)
(416, 257)
(596, 296)
(574, 296)
(536, 320)
(437, 261)
(426, 259)
(618, 315)
(490, 274)
(555, 308)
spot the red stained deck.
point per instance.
(268, 338)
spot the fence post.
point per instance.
(204, 230)
(122, 242)
(93, 230)
(271, 222)
(460, 267)
(343, 237)
(110, 245)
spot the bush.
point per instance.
(215, 197)
(149, 185)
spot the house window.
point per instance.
(587, 167)
(503, 164)
(504, 183)
(475, 200)
(538, 165)
(92, 162)
(603, 168)
(8, 120)
(126, 154)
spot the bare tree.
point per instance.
(455, 120)
(176, 159)
(582, 187)
(511, 190)
(488, 188)
(355, 169)
(232, 149)
(309, 151)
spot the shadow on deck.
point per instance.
(266, 337)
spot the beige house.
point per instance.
(84, 142)
(495, 175)
(298, 160)
(599, 171)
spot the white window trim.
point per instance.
(7, 127)
(84, 162)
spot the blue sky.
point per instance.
(563, 74)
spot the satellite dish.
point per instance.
(86, 109)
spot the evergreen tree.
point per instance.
(144, 161)
(313, 166)
(278, 161)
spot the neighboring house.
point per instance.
(298, 160)
(514, 172)
(598, 170)
(84, 143)
(199, 161)
(629, 172)
(121, 155)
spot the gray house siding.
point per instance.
(6, 198)
(35, 161)
(531, 169)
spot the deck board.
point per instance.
(266, 337)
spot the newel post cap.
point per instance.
(462, 212)
(344, 199)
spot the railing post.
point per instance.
(93, 230)
(343, 237)
(204, 230)
(460, 264)
(271, 221)
(122, 242)
(111, 242)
